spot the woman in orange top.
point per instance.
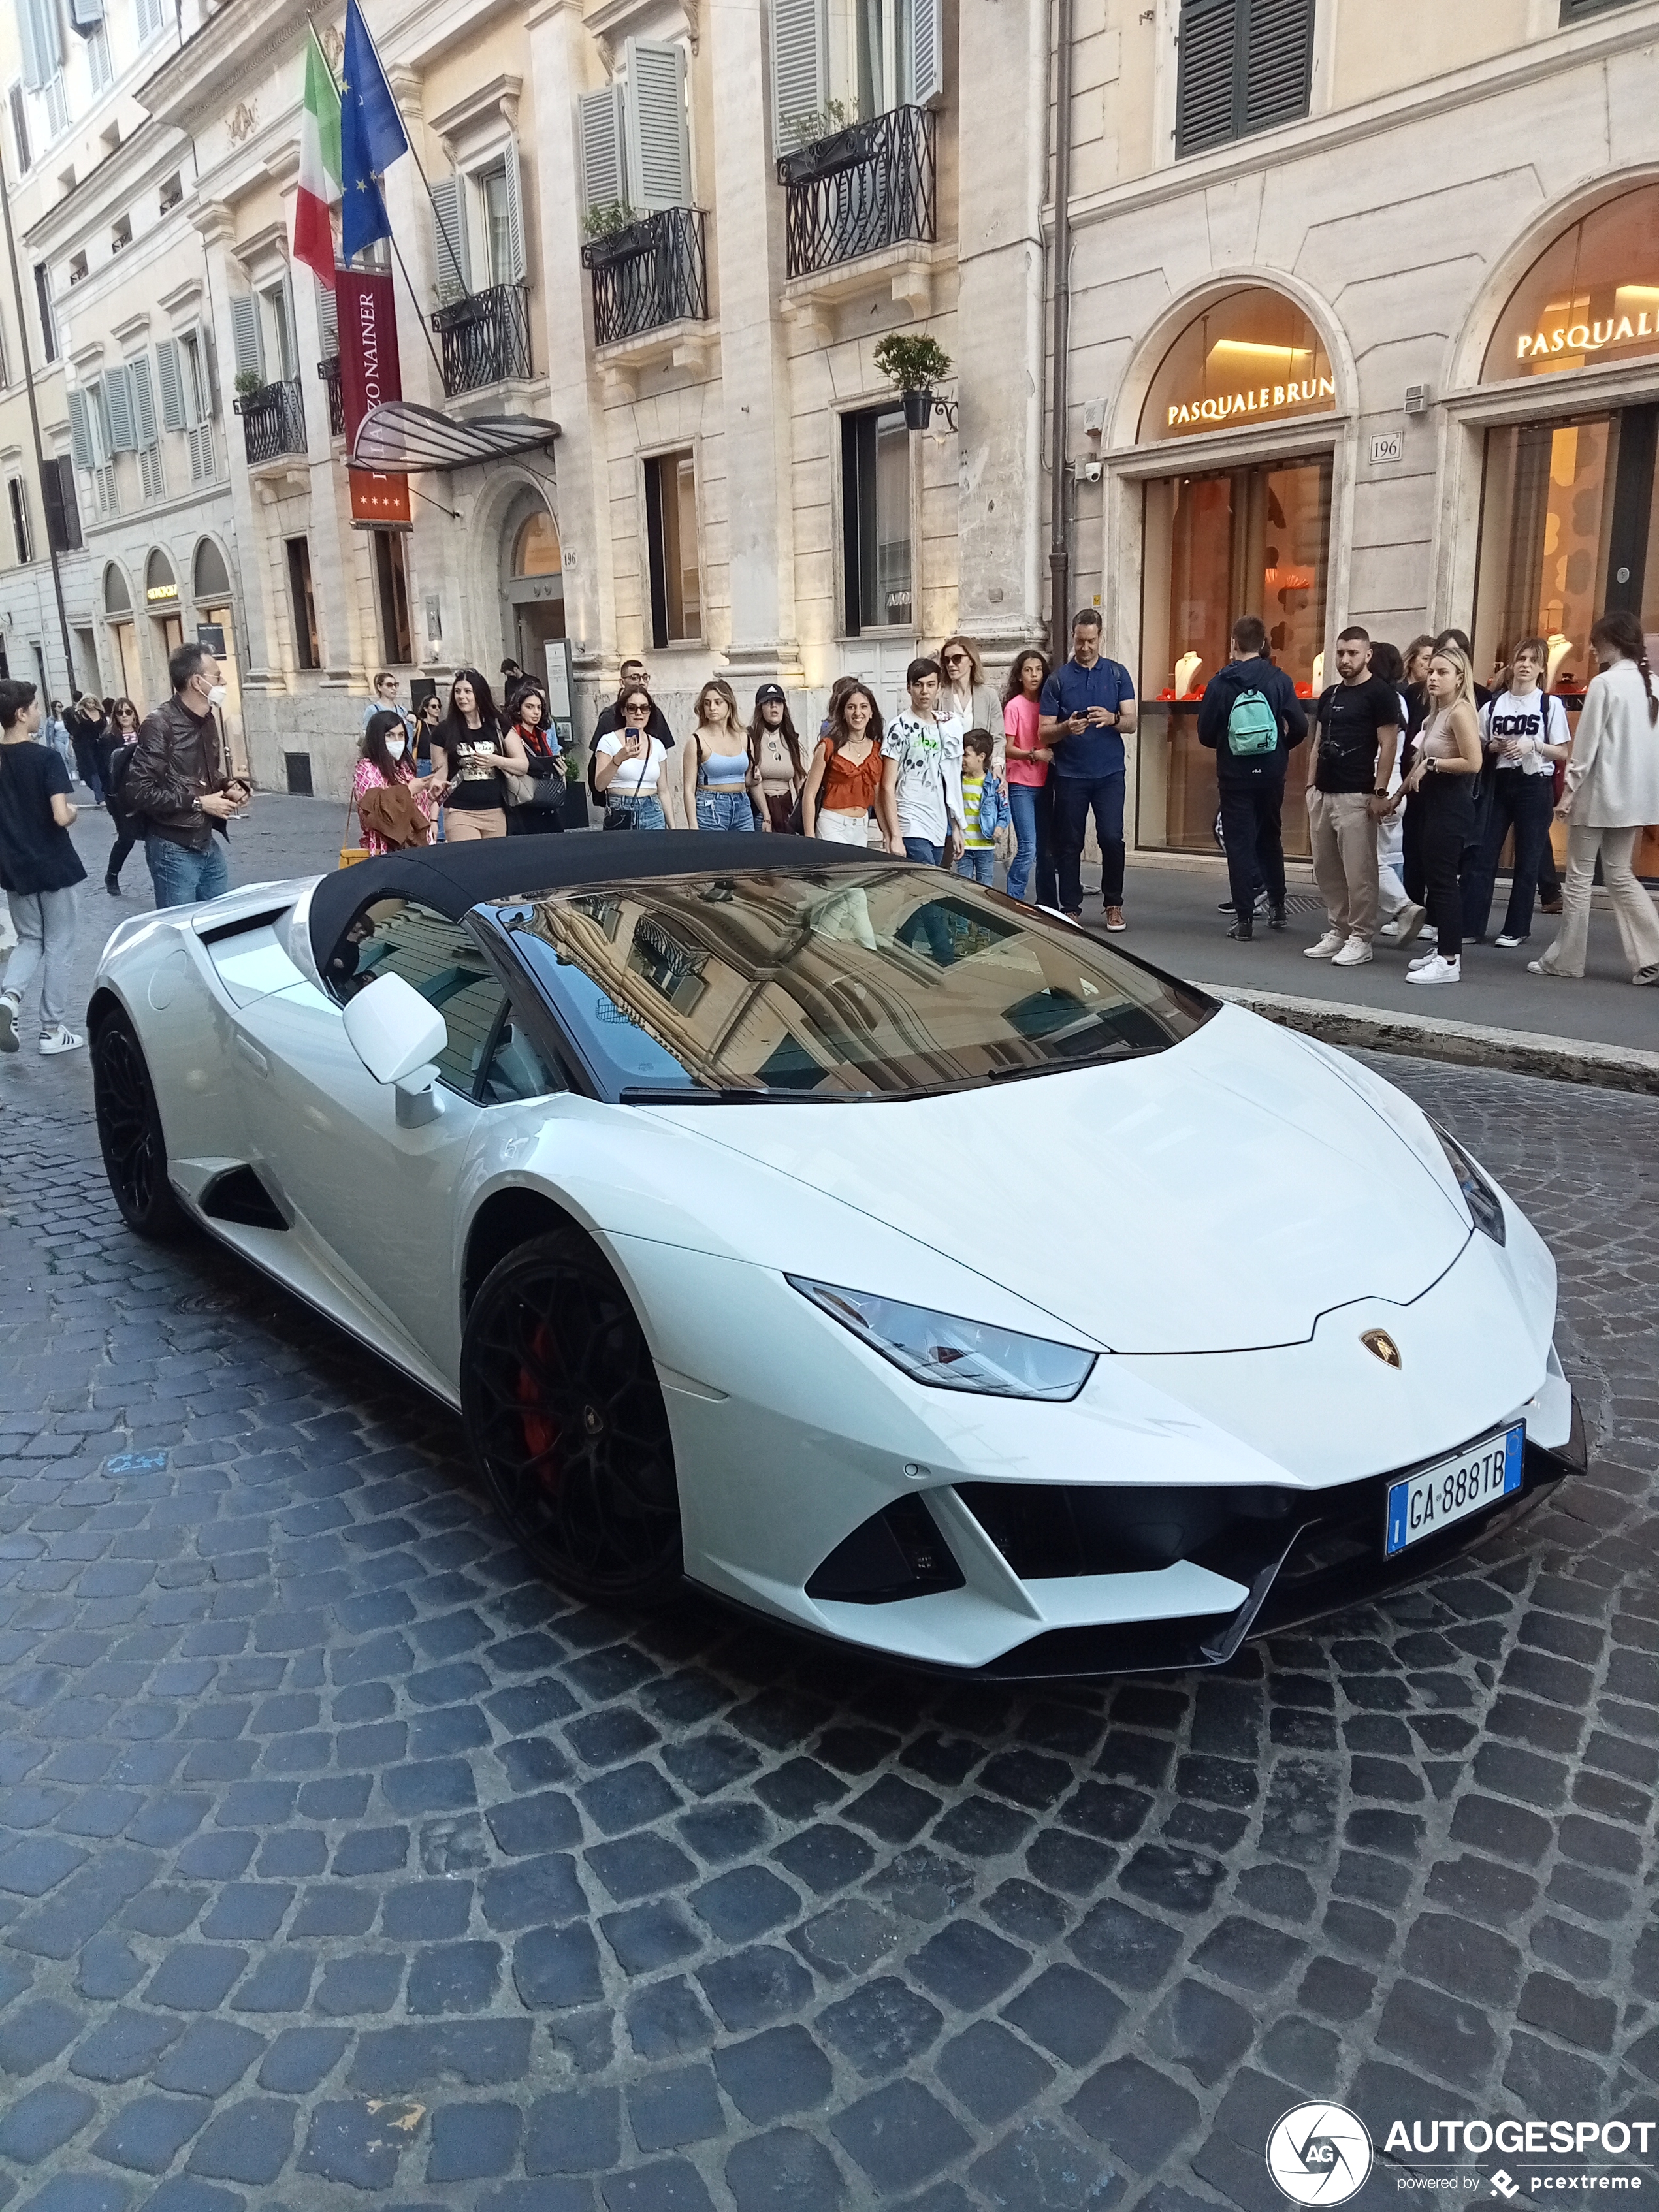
(844, 780)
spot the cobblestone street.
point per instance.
(342, 1862)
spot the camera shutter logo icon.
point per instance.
(1319, 2154)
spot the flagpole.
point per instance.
(437, 215)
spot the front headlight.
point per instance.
(1485, 1207)
(950, 1353)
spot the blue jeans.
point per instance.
(918, 848)
(182, 878)
(979, 866)
(725, 809)
(1074, 796)
(636, 813)
(1032, 805)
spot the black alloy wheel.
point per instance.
(566, 1425)
(130, 1133)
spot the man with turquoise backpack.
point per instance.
(1249, 717)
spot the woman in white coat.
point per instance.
(1612, 795)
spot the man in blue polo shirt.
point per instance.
(1086, 710)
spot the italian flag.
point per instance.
(319, 164)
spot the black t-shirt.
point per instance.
(1350, 715)
(35, 854)
(471, 790)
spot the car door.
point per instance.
(379, 1202)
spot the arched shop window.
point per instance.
(1590, 299)
(210, 576)
(117, 598)
(161, 584)
(1251, 357)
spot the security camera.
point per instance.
(1090, 471)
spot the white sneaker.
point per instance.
(1423, 960)
(60, 1040)
(1409, 920)
(1327, 947)
(1507, 942)
(1437, 971)
(1354, 954)
(1390, 928)
(8, 1023)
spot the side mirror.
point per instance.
(393, 1030)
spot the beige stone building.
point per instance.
(1317, 258)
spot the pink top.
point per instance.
(1020, 724)
(367, 778)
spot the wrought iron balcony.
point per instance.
(329, 370)
(859, 190)
(273, 421)
(654, 272)
(485, 338)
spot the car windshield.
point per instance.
(886, 982)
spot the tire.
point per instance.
(130, 1134)
(566, 1422)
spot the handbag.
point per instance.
(618, 819)
(350, 855)
(534, 790)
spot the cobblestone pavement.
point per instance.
(343, 1864)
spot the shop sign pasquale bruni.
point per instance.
(1259, 399)
(1587, 338)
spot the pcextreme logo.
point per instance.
(1319, 2154)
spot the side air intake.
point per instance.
(239, 1196)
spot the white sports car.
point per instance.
(889, 1258)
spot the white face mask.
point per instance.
(217, 694)
(395, 747)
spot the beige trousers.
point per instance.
(464, 824)
(1345, 860)
(1632, 909)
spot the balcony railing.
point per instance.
(329, 370)
(485, 337)
(273, 421)
(654, 273)
(859, 190)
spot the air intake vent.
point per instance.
(898, 1552)
(239, 1197)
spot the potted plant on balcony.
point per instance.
(610, 229)
(916, 364)
(829, 139)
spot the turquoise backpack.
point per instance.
(1252, 726)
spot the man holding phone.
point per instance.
(1086, 710)
(180, 786)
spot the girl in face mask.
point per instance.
(385, 765)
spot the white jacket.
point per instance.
(1613, 775)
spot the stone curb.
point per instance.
(1563, 1060)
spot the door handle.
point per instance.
(251, 1053)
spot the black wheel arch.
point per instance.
(507, 1219)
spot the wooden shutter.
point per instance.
(80, 430)
(150, 17)
(800, 65)
(514, 173)
(171, 380)
(144, 403)
(42, 42)
(659, 144)
(328, 319)
(1277, 63)
(245, 336)
(924, 58)
(86, 15)
(600, 134)
(118, 400)
(449, 253)
(1208, 64)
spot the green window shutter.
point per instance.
(144, 403)
(245, 336)
(80, 430)
(658, 139)
(173, 386)
(449, 253)
(800, 66)
(599, 133)
(118, 399)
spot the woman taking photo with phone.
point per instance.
(1439, 795)
(627, 765)
(475, 749)
(844, 780)
(718, 772)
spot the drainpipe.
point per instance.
(34, 427)
(1058, 557)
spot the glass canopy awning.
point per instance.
(400, 438)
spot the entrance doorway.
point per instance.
(532, 585)
(1568, 515)
(1230, 541)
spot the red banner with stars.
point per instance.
(370, 374)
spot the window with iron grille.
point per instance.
(1245, 66)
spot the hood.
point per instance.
(1217, 1197)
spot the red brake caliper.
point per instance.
(541, 1434)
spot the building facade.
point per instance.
(1361, 327)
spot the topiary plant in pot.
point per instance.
(916, 363)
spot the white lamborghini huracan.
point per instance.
(847, 1240)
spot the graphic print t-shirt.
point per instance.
(1523, 717)
(929, 754)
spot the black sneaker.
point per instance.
(1224, 906)
(1244, 931)
(1278, 917)
(113, 885)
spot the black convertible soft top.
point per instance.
(451, 879)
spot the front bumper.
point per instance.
(1333, 1559)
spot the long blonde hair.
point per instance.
(1457, 659)
(721, 689)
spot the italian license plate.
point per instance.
(1424, 1504)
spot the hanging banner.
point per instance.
(369, 374)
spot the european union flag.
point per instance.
(372, 137)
